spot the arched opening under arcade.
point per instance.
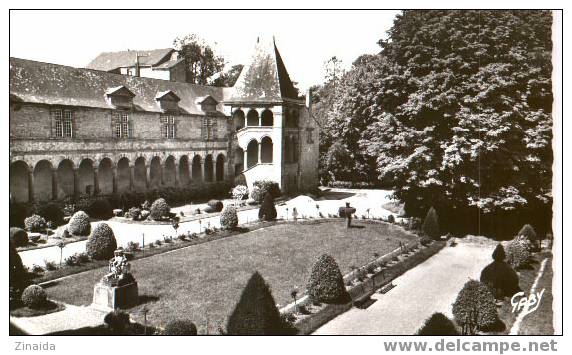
(105, 176)
(209, 168)
(140, 174)
(155, 172)
(169, 171)
(238, 161)
(266, 147)
(19, 189)
(86, 177)
(239, 120)
(252, 118)
(267, 118)
(184, 177)
(220, 167)
(252, 154)
(66, 178)
(123, 175)
(197, 176)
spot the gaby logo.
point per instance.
(529, 304)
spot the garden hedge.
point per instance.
(229, 218)
(517, 253)
(267, 211)
(475, 306)
(501, 278)
(100, 208)
(35, 223)
(52, 212)
(101, 243)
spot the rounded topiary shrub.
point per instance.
(215, 205)
(528, 231)
(475, 307)
(101, 243)
(181, 327)
(117, 321)
(35, 223)
(517, 254)
(256, 312)
(267, 211)
(18, 236)
(79, 224)
(438, 324)
(431, 224)
(229, 218)
(17, 274)
(257, 194)
(326, 284)
(34, 296)
(135, 213)
(501, 278)
(159, 209)
(100, 209)
(268, 187)
(52, 212)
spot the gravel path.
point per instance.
(428, 288)
(306, 206)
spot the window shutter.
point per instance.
(130, 127)
(204, 128)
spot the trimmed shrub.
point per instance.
(438, 324)
(117, 321)
(52, 212)
(216, 205)
(135, 213)
(18, 236)
(79, 224)
(326, 284)
(499, 254)
(144, 214)
(517, 254)
(267, 210)
(390, 219)
(528, 231)
(501, 278)
(240, 192)
(159, 209)
(257, 194)
(229, 218)
(35, 223)
(181, 327)
(18, 212)
(475, 307)
(101, 243)
(17, 274)
(431, 224)
(268, 186)
(34, 296)
(255, 312)
(100, 209)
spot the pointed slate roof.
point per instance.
(265, 78)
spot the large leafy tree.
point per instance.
(202, 61)
(465, 118)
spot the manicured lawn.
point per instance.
(204, 282)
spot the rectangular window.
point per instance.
(121, 125)
(209, 128)
(62, 122)
(169, 127)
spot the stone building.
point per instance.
(77, 131)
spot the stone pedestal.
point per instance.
(114, 297)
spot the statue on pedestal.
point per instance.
(347, 212)
(117, 288)
(119, 270)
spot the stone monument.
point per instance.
(118, 288)
(346, 212)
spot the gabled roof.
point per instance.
(119, 91)
(52, 84)
(169, 64)
(264, 78)
(207, 100)
(108, 61)
(167, 95)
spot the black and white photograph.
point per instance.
(390, 172)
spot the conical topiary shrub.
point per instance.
(255, 312)
(101, 243)
(431, 224)
(267, 211)
(326, 284)
(438, 324)
(499, 254)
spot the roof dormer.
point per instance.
(168, 100)
(120, 96)
(207, 103)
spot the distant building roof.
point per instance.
(52, 84)
(264, 78)
(108, 61)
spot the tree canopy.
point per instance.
(455, 111)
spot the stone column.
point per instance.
(55, 184)
(95, 181)
(76, 182)
(259, 152)
(147, 175)
(245, 162)
(176, 174)
(31, 185)
(202, 170)
(131, 177)
(114, 178)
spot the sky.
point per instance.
(305, 39)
